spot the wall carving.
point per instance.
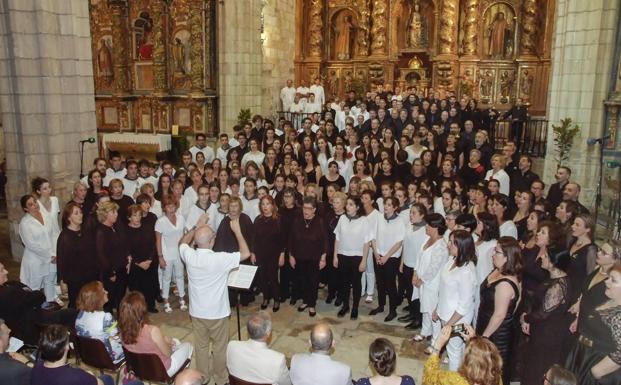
(154, 65)
(492, 50)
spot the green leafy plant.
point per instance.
(564, 139)
(243, 116)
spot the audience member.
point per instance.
(383, 359)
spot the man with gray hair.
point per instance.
(189, 377)
(252, 360)
(318, 367)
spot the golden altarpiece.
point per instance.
(154, 64)
(494, 51)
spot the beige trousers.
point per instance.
(215, 332)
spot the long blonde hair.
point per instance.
(482, 363)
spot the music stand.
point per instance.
(240, 280)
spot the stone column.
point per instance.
(160, 78)
(196, 47)
(580, 82)
(379, 22)
(46, 97)
(119, 47)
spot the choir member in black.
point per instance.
(288, 211)
(331, 177)
(555, 193)
(524, 202)
(547, 321)
(226, 240)
(77, 265)
(499, 297)
(518, 114)
(583, 253)
(268, 251)
(122, 200)
(473, 171)
(352, 236)
(331, 220)
(95, 188)
(143, 271)
(524, 176)
(79, 196)
(308, 244)
(112, 250)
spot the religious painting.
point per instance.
(143, 43)
(110, 116)
(104, 68)
(344, 25)
(499, 31)
(180, 62)
(183, 117)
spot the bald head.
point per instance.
(321, 337)
(204, 237)
(189, 377)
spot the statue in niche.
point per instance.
(506, 85)
(145, 49)
(179, 52)
(526, 85)
(486, 84)
(499, 36)
(332, 83)
(416, 35)
(344, 31)
(104, 61)
(467, 83)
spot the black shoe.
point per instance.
(354, 314)
(406, 308)
(276, 307)
(391, 316)
(343, 311)
(416, 324)
(379, 309)
(312, 313)
(338, 302)
(159, 299)
(330, 299)
(406, 318)
(152, 310)
(302, 308)
(293, 301)
(265, 304)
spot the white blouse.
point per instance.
(503, 179)
(428, 270)
(508, 229)
(250, 207)
(256, 157)
(196, 212)
(456, 291)
(413, 244)
(171, 235)
(389, 232)
(485, 253)
(38, 251)
(352, 235)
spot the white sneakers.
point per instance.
(182, 306)
(369, 299)
(167, 308)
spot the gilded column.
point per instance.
(315, 26)
(379, 17)
(196, 49)
(469, 44)
(362, 39)
(160, 80)
(448, 26)
(119, 48)
(529, 27)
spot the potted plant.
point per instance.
(564, 139)
(243, 116)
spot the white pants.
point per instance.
(49, 287)
(173, 267)
(455, 351)
(368, 277)
(181, 352)
(430, 328)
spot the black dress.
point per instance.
(268, 245)
(549, 328)
(532, 275)
(582, 262)
(329, 274)
(600, 337)
(324, 182)
(142, 248)
(288, 280)
(503, 336)
(112, 250)
(77, 264)
(521, 227)
(270, 174)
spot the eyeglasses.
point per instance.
(546, 379)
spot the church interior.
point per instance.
(144, 77)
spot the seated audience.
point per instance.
(557, 375)
(252, 360)
(13, 366)
(190, 377)
(317, 367)
(383, 358)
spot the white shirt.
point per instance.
(171, 235)
(428, 269)
(485, 265)
(296, 108)
(222, 153)
(457, 291)
(130, 186)
(150, 179)
(195, 213)
(111, 174)
(242, 181)
(503, 179)
(320, 96)
(508, 229)
(303, 91)
(352, 235)
(413, 155)
(413, 242)
(38, 251)
(257, 157)
(191, 195)
(287, 94)
(250, 207)
(389, 232)
(208, 272)
(156, 208)
(207, 151)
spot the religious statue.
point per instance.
(526, 84)
(506, 83)
(332, 83)
(145, 50)
(104, 61)
(486, 83)
(415, 29)
(467, 84)
(178, 53)
(499, 34)
(344, 33)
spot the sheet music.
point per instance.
(241, 278)
(14, 345)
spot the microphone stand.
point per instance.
(82, 142)
(598, 191)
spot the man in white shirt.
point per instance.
(252, 360)
(287, 94)
(223, 149)
(317, 367)
(131, 182)
(116, 170)
(312, 106)
(303, 91)
(317, 90)
(101, 165)
(208, 272)
(341, 117)
(201, 145)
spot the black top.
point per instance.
(324, 182)
(17, 299)
(287, 217)
(472, 176)
(76, 261)
(124, 204)
(532, 273)
(521, 181)
(521, 227)
(555, 194)
(149, 221)
(308, 240)
(62, 375)
(112, 250)
(141, 244)
(13, 371)
(268, 241)
(578, 268)
(227, 241)
(591, 299)
(331, 220)
(270, 173)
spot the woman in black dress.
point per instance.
(77, 265)
(113, 256)
(499, 296)
(270, 167)
(524, 200)
(95, 188)
(141, 239)
(288, 211)
(583, 253)
(269, 251)
(311, 167)
(333, 176)
(596, 357)
(547, 320)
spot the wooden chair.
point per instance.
(238, 381)
(149, 367)
(93, 353)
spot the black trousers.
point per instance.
(331, 276)
(308, 275)
(386, 277)
(268, 277)
(33, 320)
(350, 279)
(116, 291)
(517, 128)
(405, 283)
(146, 282)
(73, 289)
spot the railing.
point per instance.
(296, 118)
(533, 140)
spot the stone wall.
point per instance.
(581, 66)
(46, 96)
